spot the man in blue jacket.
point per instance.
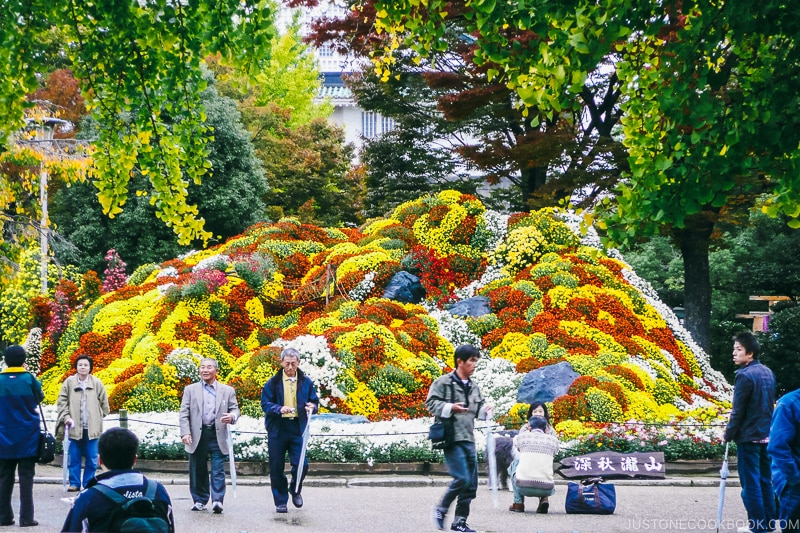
(95, 511)
(287, 400)
(748, 427)
(20, 394)
(784, 449)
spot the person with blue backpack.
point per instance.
(121, 499)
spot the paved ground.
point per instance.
(401, 504)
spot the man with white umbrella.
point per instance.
(288, 398)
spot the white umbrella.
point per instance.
(65, 459)
(491, 460)
(302, 461)
(231, 459)
(723, 479)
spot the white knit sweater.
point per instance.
(535, 450)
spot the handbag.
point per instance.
(590, 496)
(442, 434)
(47, 443)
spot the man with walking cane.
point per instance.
(288, 399)
(206, 409)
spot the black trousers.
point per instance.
(27, 469)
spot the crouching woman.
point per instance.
(532, 472)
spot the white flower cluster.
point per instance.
(187, 255)
(186, 362)
(497, 224)
(364, 287)
(723, 389)
(318, 363)
(498, 380)
(454, 329)
(169, 271)
(218, 262)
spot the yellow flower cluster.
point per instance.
(255, 310)
(363, 401)
(366, 262)
(440, 237)
(513, 347)
(691, 360)
(603, 406)
(604, 340)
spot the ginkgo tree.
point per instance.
(709, 98)
(138, 64)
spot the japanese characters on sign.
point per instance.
(614, 464)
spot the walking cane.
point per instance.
(65, 459)
(231, 460)
(491, 460)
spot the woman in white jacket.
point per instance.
(82, 405)
(532, 472)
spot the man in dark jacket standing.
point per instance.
(20, 394)
(748, 427)
(287, 400)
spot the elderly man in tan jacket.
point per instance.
(206, 409)
(82, 405)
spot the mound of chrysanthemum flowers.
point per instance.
(553, 293)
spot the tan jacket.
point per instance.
(69, 406)
(191, 414)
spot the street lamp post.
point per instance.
(43, 138)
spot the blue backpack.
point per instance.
(137, 514)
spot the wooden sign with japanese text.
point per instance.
(614, 465)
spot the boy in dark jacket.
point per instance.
(93, 510)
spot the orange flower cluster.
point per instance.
(103, 349)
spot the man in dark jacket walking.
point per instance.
(455, 399)
(748, 427)
(20, 394)
(288, 398)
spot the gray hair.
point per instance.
(290, 352)
(210, 360)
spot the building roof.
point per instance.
(335, 93)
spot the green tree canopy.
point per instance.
(709, 95)
(229, 199)
(138, 64)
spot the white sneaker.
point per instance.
(216, 507)
(198, 507)
(744, 530)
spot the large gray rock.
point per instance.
(404, 287)
(475, 306)
(547, 383)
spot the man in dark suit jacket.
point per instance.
(206, 409)
(287, 400)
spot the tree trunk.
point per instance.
(694, 242)
(532, 179)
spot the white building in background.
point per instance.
(357, 123)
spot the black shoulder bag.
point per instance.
(442, 434)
